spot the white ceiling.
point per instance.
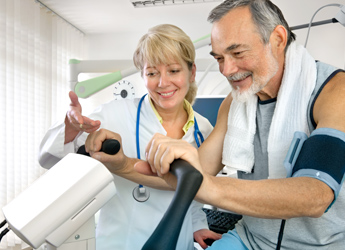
(120, 16)
(121, 20)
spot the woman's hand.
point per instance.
(203, 234)
(93, 145)
(76, 122)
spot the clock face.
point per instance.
(124, 90)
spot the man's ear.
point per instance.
(278, 38)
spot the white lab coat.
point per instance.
(123, 222)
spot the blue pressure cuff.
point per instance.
(321, 156)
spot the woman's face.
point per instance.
(168, 84)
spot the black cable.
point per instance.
(302, 26)
(280, 236)
(3, 233)
(3, 223)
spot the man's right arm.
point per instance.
(213, 145)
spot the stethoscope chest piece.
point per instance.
(141, 194)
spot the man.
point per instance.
(278, 89)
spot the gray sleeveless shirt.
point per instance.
(300, 233)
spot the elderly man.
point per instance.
(277, 89)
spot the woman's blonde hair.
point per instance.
(164, 43)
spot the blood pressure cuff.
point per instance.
(321, 156)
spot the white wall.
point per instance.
(326, 43)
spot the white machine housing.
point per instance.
(60, 201)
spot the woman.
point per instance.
(165, 56)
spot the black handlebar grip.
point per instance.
(109, 146)
(166, 233)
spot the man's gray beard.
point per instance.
(235, 92)
(244, 95)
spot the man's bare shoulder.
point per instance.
(330, 105)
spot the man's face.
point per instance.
(243, 59)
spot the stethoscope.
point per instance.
(140, 193)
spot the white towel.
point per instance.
(290, 115)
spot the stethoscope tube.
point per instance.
(138, 125)
(140, 193)
(197, 133)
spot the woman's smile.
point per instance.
(167, 94)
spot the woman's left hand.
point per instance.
(201, 235)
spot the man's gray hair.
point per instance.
(266, 16)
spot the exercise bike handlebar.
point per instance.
(110, 146)
(166, 233)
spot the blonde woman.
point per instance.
(165, 56)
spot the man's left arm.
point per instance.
(324, 151)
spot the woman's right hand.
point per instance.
(117, 163)
(76, 122)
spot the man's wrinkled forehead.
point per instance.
(233, 31)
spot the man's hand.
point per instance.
(161, 151)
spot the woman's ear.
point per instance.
(193, 73)
(278, 39)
